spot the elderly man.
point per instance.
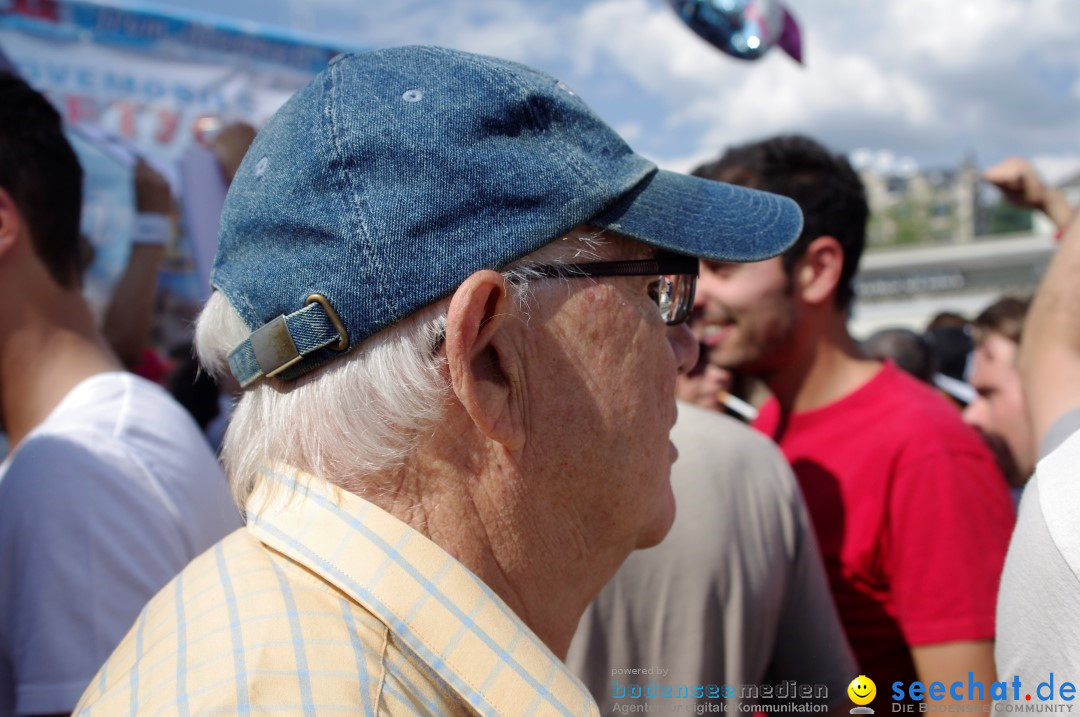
(455, 299)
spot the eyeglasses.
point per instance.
(673, 290)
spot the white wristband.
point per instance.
(152, 228)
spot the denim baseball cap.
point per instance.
(390, 178)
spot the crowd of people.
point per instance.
(489, 450)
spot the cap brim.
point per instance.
(704, 218)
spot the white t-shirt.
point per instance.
(100, 506)
(1038, 612)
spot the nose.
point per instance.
(684, 345)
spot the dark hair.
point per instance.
(195, 390)
(947, 319)
(952, 344)
(824, 185)
(40, 171)
(907, 349)
(1005, 316)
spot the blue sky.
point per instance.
(888, 81)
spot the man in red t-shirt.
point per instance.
(912, 515)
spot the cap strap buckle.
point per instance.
(275, 347)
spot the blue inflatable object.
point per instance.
(745, 29)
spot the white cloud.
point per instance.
(688, 163)
(630, 131)
(1057, 168)
(883, 161)
(736, 100)
(504, 28)
(948, 33)
(929, 79)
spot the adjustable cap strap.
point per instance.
(283, 343)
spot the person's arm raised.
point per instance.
(1049, 358)
(1021, 185)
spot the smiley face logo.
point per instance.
(862, 690)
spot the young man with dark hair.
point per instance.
(41, 174)
(828, 189)
(109, 488)
(912, 515)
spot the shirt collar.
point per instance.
(445, 615)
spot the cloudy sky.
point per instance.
(889, 81)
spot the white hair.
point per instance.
(360, 414)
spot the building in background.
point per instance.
(941, 240)
(919, 207)
(905, 287)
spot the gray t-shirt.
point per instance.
(1038, 613)
(735, 595)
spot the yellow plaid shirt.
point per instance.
(326, 604)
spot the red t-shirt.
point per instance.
(911, 512)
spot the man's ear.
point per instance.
(479, 356)
(817, 273)
(10, 222)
